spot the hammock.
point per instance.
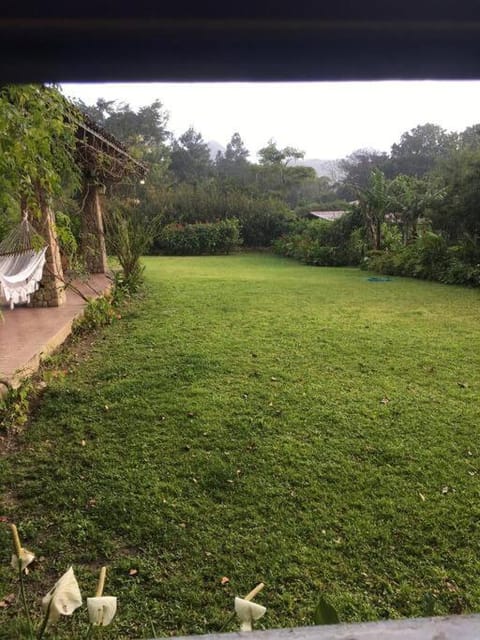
(22, 258)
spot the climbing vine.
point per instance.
(37, 145)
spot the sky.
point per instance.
(326, 120)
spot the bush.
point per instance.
(262, 219)
(428, 258)
(129, 237)
(200, 238)
(323, 243)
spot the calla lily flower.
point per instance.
(64, 598)
(101, 610)
(26, 558)
(248, 612)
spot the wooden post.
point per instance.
(52, 288)
(93, 235)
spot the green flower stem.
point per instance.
(24, 597)
(89, 632)
(45, 622)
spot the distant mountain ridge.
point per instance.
(214, 147)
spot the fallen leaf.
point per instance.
(451, 586)
(83, 443)
(273, 379)
(422, 497)
(106, 407)
(7, 601)
(463, 385)
(445, 490)
(133, 572)
(385, 400)
(224, 580)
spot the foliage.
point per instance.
(199, 239)
(129, 237)
(98, 312)
(15, 407)
(325, 613)
(357, 168)
(37, 144)
(322, 243)
(375, 202)
(283, 406)
(410, 199)
(420, 149)
(190, 158)
(262, 219)
(144, 131)
(233, 165)
(430, 258)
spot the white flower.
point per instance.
(26, 557)
(64, 598)
(248, 612)
(101, 610)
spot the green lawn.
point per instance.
(265, 421)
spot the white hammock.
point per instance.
(20, 275)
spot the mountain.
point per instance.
(214, 147)
(329, 168)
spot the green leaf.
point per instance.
(325, 613)
(428, 605)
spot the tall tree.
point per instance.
(234, 163)
(144, 130)
(375, 203)
(420, 149)
(357, 169)
(190, 157)
(410, 199)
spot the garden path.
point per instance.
(29, 334)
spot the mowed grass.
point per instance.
(261, 420)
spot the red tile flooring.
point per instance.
(27, 335)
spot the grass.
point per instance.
(265, 421)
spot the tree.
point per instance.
(190, 157)
(470, 138)
(146, 127)
(375, 203)
(410, 199)
(234, 162)
(357, 168)
(420, 149)
(272, 156)
(457, 216)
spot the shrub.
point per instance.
(323, 243)
(262, 219)
(429, 258)
(129, 236)
(200, 238)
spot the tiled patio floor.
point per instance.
(28, 335)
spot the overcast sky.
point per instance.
(327, 120)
